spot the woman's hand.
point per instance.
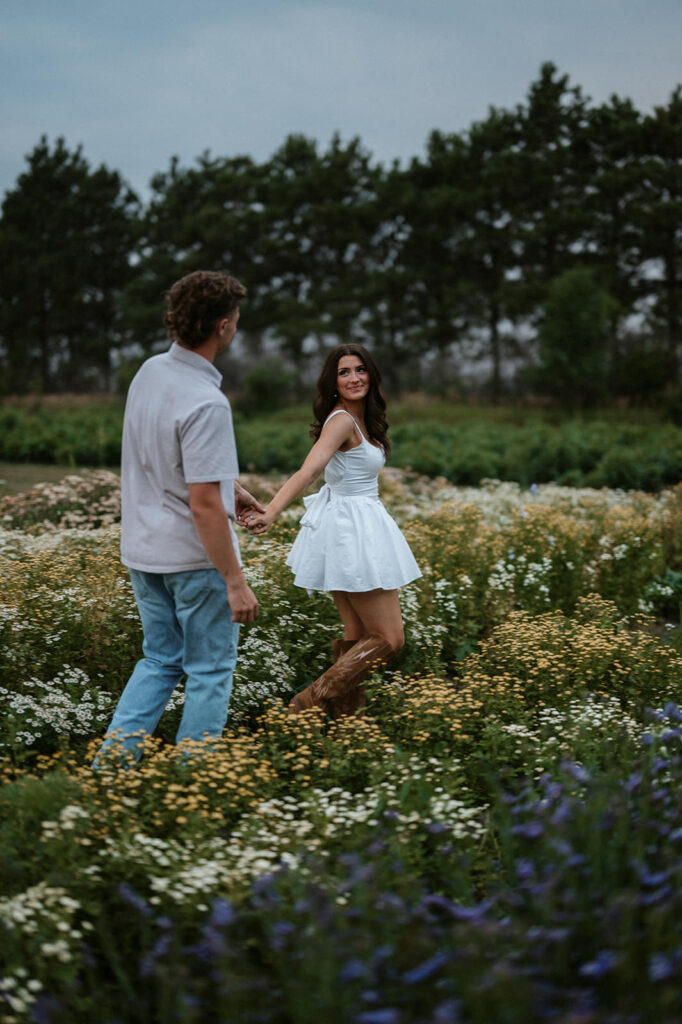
(258, 522)
(334, 435)
(244, 504)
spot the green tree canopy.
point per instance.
(449, 257)
(573, 356)
(661, 217)
(66, 236)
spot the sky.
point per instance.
(138, 81)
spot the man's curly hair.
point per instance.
(197, 302)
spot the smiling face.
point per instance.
(352, 378)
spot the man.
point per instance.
(179, 490)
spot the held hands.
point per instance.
(259, 522)
(244, 504)
(250, 513)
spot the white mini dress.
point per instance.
(348, 541)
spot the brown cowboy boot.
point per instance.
(354, 701)
(345, 675)
(341, 647)
(303, 700)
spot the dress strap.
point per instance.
(336, 412)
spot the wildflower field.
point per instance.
(498, 839)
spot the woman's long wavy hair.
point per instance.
(327, 396)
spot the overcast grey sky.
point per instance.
(137, 81)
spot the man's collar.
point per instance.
(186, 355)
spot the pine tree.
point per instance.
(66, 234)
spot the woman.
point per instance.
(348, 543)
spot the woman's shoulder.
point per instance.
(336, 411)
(347, 430)
(347, 417)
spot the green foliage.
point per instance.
(451, 256)
(498, 832)
(267, 387)
(66, 236)
(644, 370)
(660, 216)
(266, 445)
(573, 338)
(463, 445)
(69, 627)
(70, 435)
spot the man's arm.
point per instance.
(213, 527)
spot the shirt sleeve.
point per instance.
(209, 450)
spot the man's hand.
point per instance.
(213, 527)
(244, 503)
(259, 522)
(242, 602)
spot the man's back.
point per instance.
(177, 430)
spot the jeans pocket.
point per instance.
(139, 583)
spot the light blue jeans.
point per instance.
(188, 629)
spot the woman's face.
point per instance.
(352, 378)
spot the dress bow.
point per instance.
(315, 504)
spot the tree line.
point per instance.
(547, 235)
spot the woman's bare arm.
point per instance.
(334, 434)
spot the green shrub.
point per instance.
(267, 387)
(576, 452)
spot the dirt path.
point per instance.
(16, 477)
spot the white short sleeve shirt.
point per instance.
(177, 430)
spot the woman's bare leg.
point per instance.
(374, 612)
(374, 627)
(353, 628)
